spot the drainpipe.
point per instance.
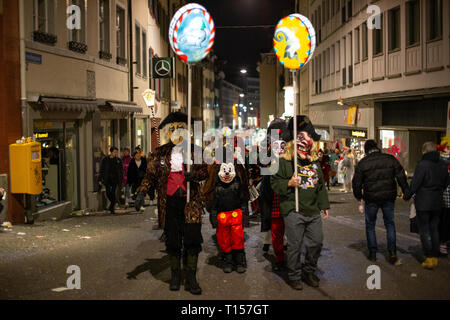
(30, 204)
(130, 67)
(23, 81)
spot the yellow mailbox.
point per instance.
(26, 168)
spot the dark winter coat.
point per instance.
(136, 175)
(429, 182)
(111, 171)
(375, 176)
(228, 197)
(265, 202)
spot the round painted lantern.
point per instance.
(192, 33)
(294, 41)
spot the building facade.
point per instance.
(85, 65)
(381, 71)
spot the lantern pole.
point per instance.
(189, 128)
(294, 84)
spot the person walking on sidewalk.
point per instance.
(375, 181)
(305, 226)
(136, 172)
(428, 184)
(126, 159)
(111, 175)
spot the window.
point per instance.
(332, 8)
(394, 29)
(44, 16)
(357, 45)
(332, 59)
(365, 42)
(344, 16)
(144, 53)
(412, 22)
(434, 17)
(378, 39)
(120, 33)
(104, 25)
(79, 35)
(338, 56)
(319, 23)
(137, 51)
(350, 9)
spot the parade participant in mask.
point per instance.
(228, 209)
(166, 171)
(271, 220)
(305, 226)
(227, 199)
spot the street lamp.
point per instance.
(243, 71)
(241, 95)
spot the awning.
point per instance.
(61, 104)
(123, 107)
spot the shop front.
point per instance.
(59, 125)
(349, 138)
(406, 126)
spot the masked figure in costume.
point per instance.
(305, 226)
(227, 190)
(271, 218)
(167, 173)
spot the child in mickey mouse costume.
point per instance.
(228, 209)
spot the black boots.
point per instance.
(372, 255)
(239, 260)
(393, 257)
(191, 283)
(227, 265)
(175, 268)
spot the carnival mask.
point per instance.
(278, 147)
(176, 130)
(304, 144)
(227, 172)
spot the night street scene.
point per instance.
(224, 158)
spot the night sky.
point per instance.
(242, 47)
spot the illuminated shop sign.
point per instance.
(41, 135)
(358, 134)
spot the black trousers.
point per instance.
(111, 194)
(180, 237)
(428, 222)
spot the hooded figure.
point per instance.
(305, 226)
(167, 173)
(271, 220)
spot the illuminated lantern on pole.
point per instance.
(191, 36)
(294, 43)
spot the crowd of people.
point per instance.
(291, 207)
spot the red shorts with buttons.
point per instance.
(230, 232)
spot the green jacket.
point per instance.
(312, 194)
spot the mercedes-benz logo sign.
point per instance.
(162, 68)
